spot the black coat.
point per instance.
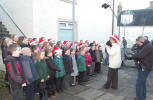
(16, 75)
(34, 57)
(93, 55)
(4, 53)
(52, 66)
(145, 55)
(67, 61)
(109, 44)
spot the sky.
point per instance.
(134, 4)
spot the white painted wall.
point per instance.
(45, 20)
(47, 15)
(21, 12)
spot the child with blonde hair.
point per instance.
(43, 72)
(31, 75)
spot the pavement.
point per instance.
(93, 90)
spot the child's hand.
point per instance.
(42, 80)
(48, 76)
(24, 84)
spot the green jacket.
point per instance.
(59, 63)
(81, 63)
(42, 70)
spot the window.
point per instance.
(65, 31)
(65, 25)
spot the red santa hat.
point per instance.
(115, 37)
(41, 41)
(65, 42)
(56, 50)
(32, 42)
(80, 44)
(70, 43)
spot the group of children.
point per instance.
(45, 67)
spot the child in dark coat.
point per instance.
(67, 61)
(31, 75)
(16, 75)
(6, 42)
(53, 69)
(98, 60)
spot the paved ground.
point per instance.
(93, 91)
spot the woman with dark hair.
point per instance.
(6, 42)
(22, 41)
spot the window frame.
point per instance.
(68, 1)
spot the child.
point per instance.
(98, 60)
(45, 45)
(75, 68)
(32, 43)
(16, 76)
(4, 46)
(41, 42)
(59, 76)
(88, 61)
(93, 56)
(34, 50)
(30, 72)
(67, 61)
(43, 72)
(53, 69)
(81, 66)
(101, 54)
(22, 41)
(14, 38)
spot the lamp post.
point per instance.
(113, 18)
(105, 6)
(73, 21)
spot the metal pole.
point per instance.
(143, 30)
(73, 22)
(113, 18)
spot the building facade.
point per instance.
(53, 19)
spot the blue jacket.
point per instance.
(29, 70)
